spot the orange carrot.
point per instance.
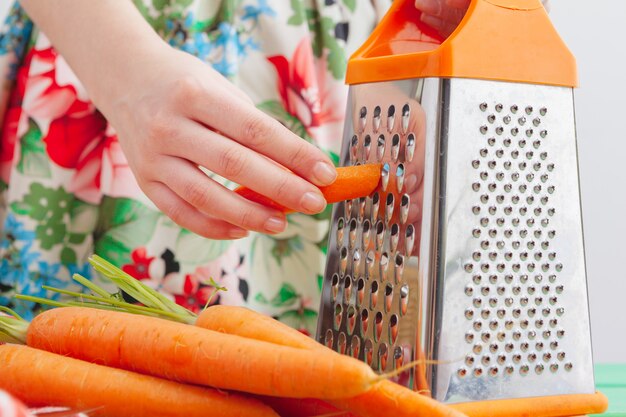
(41, 378)
(352, 182)
(385, 398)
(244, 322)
(194, 355)
(552, 406)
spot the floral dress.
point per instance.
(67, 190)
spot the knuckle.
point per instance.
(282, 188)
(160, 127)
(196, 194)
(232, 163)
(246, 218)
(186, 88)
(255, 131)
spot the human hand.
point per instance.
(445, 15)
(174, 113)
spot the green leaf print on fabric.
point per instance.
(286, 296)
(50, 234)
(124, 224)
(193, 249)
(298, 13)
(350, 4)
(33, 161)
(323, 30)
(68, 256)
(286, 247)
(44, 204)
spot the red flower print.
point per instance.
(140, 268)
(73, 133)
(307, 92)
(195, 296)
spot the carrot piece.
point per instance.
(195, 355)
(352, 182)
(550, 406)
(41, 378)
(385, 398)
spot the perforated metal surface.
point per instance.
(470, 253)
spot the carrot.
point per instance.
(352, 182)
(551, 406)
(310, 407)
(41, 378)
(194, 355)
(385, 398)
(244, 322)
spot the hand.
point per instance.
(445, 15)
(174, 114)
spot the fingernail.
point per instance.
(275, 225)
(238, 233)
(313, 202)
(324, 173)
(432, 7)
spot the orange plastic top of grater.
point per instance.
(502, 40)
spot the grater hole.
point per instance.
(378, 326)
(355, 346)
(393, 329)
(404, 299)
(338, 316)
(360, 291)
(347, 290)
(364, 322)
(328, 339)
(383, 355)
(342, 343)
(388, 297)
(374, 294)
(334, 287)
(368, 352)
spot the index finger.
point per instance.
(254, 129)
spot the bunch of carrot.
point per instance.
(158, 355)
(150, 361)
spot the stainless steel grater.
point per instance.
(470, 254)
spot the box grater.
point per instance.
(470, 253)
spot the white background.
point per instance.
(596, 32)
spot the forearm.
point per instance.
(102, 41)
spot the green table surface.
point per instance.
(611, 381)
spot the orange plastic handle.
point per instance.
(503, 40)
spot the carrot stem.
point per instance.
(13, 330)
(93, 287)
(11, 312)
